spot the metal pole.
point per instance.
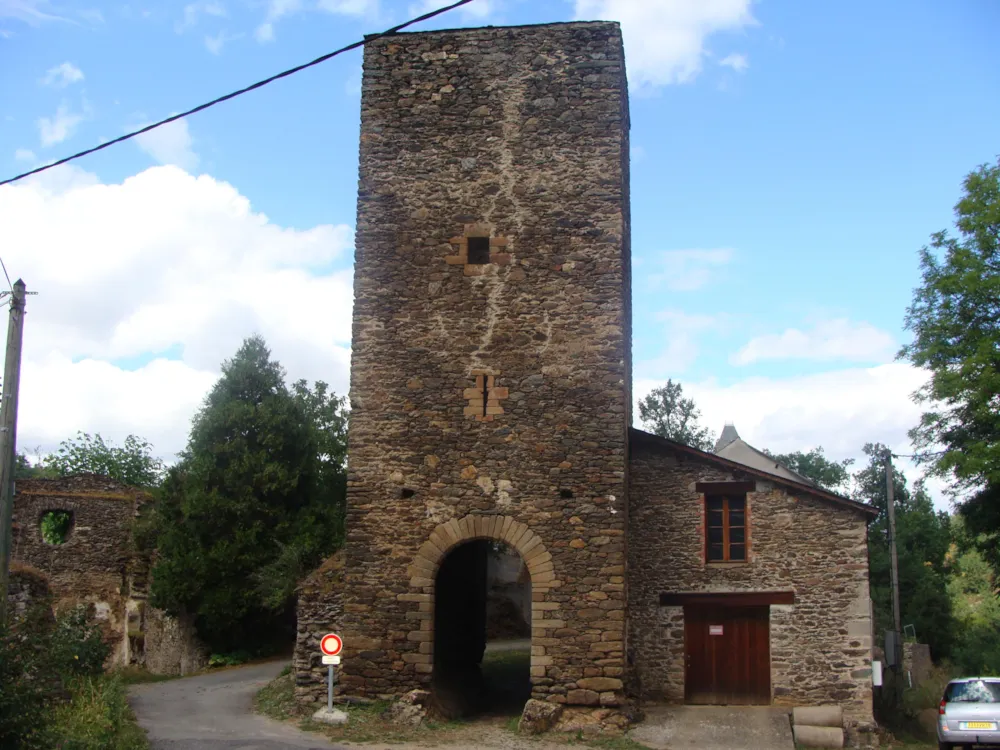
(8, 435)
(329, 688)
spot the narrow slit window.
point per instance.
(486, 393)
(726, 528)
(479, 250)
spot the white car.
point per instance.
(969, 713)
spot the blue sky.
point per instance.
(788, 161)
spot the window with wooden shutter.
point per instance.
(726, 528)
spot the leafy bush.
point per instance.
(97, 717)
(78, 647)
(55, 526)
(230, 659)
(26, 693)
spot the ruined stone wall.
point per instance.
(91, 566)
(98, 566)
(820, 645)
(27, 592)
(318, 612)
(494, 388)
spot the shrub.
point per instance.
(78, 647)
(97, 717)
(25, 694)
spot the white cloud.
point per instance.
(59, 127)
(357, 7)
(25, 154)
(214, 44)
(828, 340)
(170, 144)
(32, 12)
(665, 39)
(478, 10)
(276, 9)
(681, 332)
(161, 260)
(687, 270)
(840, 410)
(736, 61)
(193, 11)
(62, 75)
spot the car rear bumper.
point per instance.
(971, 737)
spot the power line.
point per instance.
(234, 94)
(6, 275)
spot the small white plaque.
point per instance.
(331, 659)
(715, 629)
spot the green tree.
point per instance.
(955, 321)
(816, 466)
(665, 412)
(975, 594)
(255, 501)
(131, 463)
(922, 542)
(25, 469)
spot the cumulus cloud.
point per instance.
(194, 11)
(736, 61)
(829, 340)
(214, 44)
(62, 75)
(59, 127)
(681, 334)
(353, 7)
(840, 410)
(478, 10)
(687, 270)
(163, 262)
(25, 154)
(665, 39)
(276, 9)
(33, 12)
(170, 144)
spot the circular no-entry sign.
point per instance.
(331, 644)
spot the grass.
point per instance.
(97, 717)
(277, 698)
(136, 676)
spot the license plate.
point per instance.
(980, 725)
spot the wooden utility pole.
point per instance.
(8, 434)
(894, 560)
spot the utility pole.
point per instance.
(8, 434)
(897, 627)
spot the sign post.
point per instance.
(331, 645)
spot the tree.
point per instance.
(922, 543)
(668, 414)
(816, 466)
(24, 469)
(955, 320)
(975, 594)
(255, 501)
(131, 463)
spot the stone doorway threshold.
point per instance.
(715, 728)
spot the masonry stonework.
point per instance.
(820, 645)
(97, 566)
(519, 135)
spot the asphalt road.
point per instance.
(213, 712)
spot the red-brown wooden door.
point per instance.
(727, 655)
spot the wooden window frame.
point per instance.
(732, 492)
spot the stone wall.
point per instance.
(917, 661)
(318, 612)
(98, 566)
(820, 645)
(27, 592)
(493, 396)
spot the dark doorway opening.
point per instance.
(482, 632)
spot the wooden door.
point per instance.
(727, 655)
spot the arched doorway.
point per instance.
(482, 630)
(450, 585)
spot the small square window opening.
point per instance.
(479, 250)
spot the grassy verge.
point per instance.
(136, 676)
(97, 717)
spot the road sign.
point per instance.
(331, 659)
(331, 644)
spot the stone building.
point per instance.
(491, 400)
(94, 563)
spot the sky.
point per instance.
(789, 160)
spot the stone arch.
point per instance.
(451, 534)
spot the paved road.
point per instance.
(213, 712)
(715, 728)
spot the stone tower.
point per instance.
(490, 378)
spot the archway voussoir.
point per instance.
(467, 526)
(430, 552)
(529, 544)
(505, 526)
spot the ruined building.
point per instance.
(491, 400)
(94, 563)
